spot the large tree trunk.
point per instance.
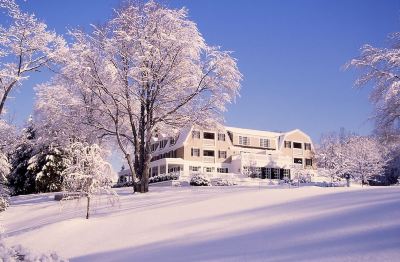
(132, 170)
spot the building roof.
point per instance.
(252, 132)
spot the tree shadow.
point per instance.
(366, 229)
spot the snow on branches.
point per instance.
(362, 157)
(26, 46)
(87, 173)
(147, 70)
(381, 67)
(4, 171)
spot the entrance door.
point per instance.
(263, 173)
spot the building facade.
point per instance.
(233, 150)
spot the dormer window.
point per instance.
(208, 135)
(297, 145)
(244, 140)
(288, 144)
(221, 137)
(172, 141)
(264, 142)
(195, 134)
(163, 143)
(307, 146)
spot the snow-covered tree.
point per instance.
(47, 165)
(20, 180)
(367, 158)
(26, 46)
(331, 156)
(146, 70)
(4, 171)
(88, 174)
(381, 68)
(361, 157)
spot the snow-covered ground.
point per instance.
(215, 224)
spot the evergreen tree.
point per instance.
(47, 167)
(20, 180)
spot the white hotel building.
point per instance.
(233, 150)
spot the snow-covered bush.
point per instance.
(87, 173)
(19, 253)
(225, 182)
(164, 177)
(200, 179)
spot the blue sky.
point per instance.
(291, 54)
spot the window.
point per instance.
(307, 146)
(268, 173)
(297, 145)
(154, 147)
(308, 162)
(195, 134)
(209, 169)
(298, 160)
(195, 152)
(208, 135)
(194, 168)
(208, 153)
(222, 170)
(286, 173)
(288, 144)
(264, 142)
(221, 154)
(172, 141)
(276, 172)
(244, 140)
(221, 137)
(163, 143)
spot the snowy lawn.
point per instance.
(216, 223)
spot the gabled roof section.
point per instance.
(284, 135)
(182, 137)
(252, 132)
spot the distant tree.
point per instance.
(331, 156)
(361, 157)
(367, 158)
(147, 69)
(87, 173)
(26, 46)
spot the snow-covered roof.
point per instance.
(252, 132)
(179, 143)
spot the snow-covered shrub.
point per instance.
(225, 182)
(200, 179)
(19, 253)
(87, 173)
(164, 177)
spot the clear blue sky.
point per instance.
(290, 53)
